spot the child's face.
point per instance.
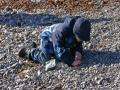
(77, 38)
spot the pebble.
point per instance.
(38, 73)
(83, 85)
(38, 1)
(50, 65)
(105, 81)
(34, 32)
(98, 80)
(2, 55)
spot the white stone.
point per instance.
(34, 32)
(38, 73)
(50, 65)
(2, 55)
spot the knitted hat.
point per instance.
(82, 28)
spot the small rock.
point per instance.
(38, 73)
(25, 71)
(38, 1)
(105, 81)
(34, 32)
(102, 81)
(98, 80)
(50, 65)
(8, 9)
(33, 1)
(89, 45)
(105, 10)
(5, 31)
(57, 87)
(2, 56)
(20, 35)
(83, 85)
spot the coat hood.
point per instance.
(69, 23)
(82, 28)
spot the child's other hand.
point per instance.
(78, 55)
(78, 58)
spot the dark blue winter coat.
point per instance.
(59, 41)
(64, 42)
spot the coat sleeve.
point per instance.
(62, 54)
(79, 48)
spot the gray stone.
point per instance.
(2, 55)
(50, 65)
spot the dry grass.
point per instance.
(68, 5)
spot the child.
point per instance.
(62, 41)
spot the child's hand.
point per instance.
(78, 58)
